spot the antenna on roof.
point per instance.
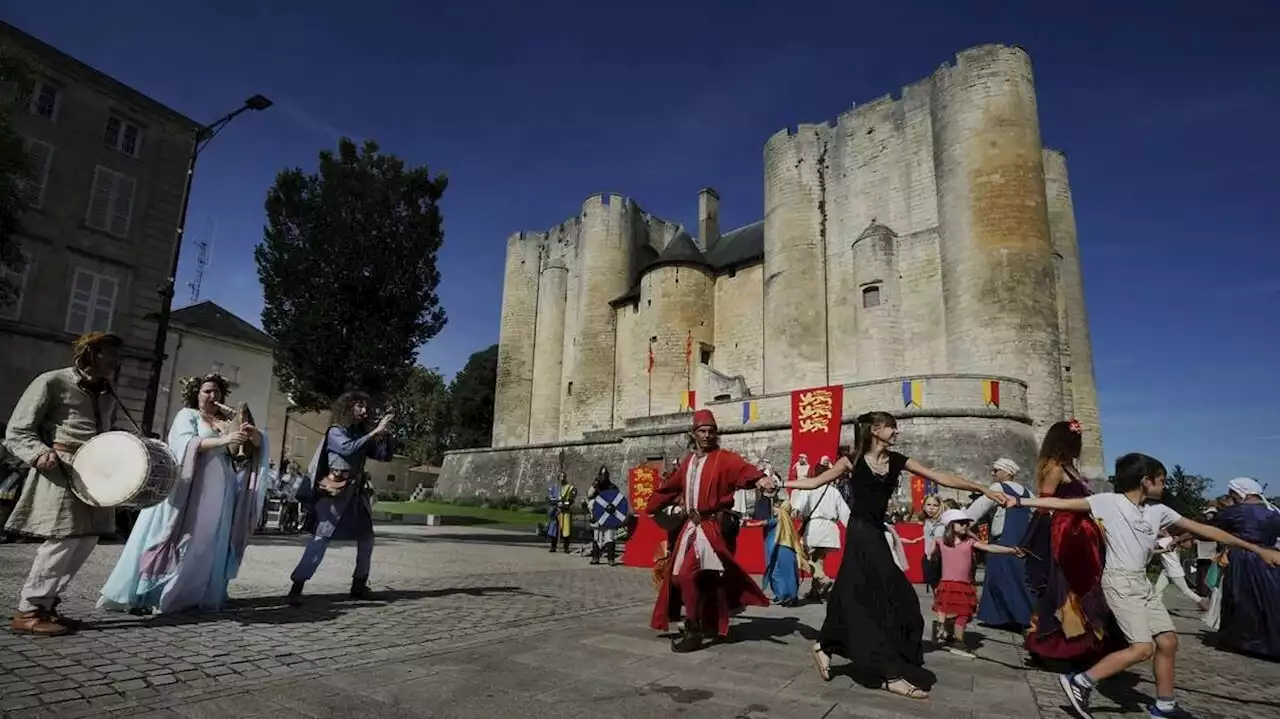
(202, 260)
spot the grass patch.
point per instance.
(486, 514)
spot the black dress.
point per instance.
(873, 614)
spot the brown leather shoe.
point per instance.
(38, 623)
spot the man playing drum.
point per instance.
(60, 410)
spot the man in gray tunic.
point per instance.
(60, 411)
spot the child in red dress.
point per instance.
(955, 601)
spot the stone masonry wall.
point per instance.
(739, 326)
(514, 388)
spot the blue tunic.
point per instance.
(1250, 589)
(349, 515)
(1005, 599)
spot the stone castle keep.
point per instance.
(928, 239)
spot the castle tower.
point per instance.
(514, 387)
(997, 261)
(548, 346)
(1077, 370)
(795, 303)
(877, 342)
(604, 256)
(681, 307)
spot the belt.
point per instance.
(697, 517)
(60, 447)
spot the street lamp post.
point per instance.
(203, 136)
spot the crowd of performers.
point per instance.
(1065, 565)
(182, 552)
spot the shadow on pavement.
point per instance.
(769, 629)
(507, 539)
(315, 608)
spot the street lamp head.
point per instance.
(257, 102)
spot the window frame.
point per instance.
(872, 290)
(21, 283)
(34, 104)
(92, 304)
(118, 145)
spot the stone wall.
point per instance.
(953, 430)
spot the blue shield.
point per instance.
(609, 509)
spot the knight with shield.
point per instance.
(609, 511)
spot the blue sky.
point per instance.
(1167, 112)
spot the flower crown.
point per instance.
(1075, 426)
(192, 385)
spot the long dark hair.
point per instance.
(342, 413)
(863, 426)
(1061, 446)
(191, 387)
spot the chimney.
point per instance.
(708, 218)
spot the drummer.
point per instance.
(68, 406)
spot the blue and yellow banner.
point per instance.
(750, 412)
(913, 393)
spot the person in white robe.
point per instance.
(822, 511)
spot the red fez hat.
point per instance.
(702, 418)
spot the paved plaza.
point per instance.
(486, 623)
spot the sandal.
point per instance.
(821, 661)
(904, 688)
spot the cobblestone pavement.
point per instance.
(474, 622)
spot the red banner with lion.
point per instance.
(815, 423)
(647, 536)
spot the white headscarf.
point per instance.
(1007, 465)
(1245, 486)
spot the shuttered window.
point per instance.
(40, 161)
(93, 302)
(18, 280)
(111, 202)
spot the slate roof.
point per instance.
(734, 249)
(219, 322)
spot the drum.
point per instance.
(121, 469)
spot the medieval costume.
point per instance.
(784, 553)
(560, 516)
(343, 508)
(823, 510)
(1250, 590)
(1005, 599)
(184, 551)
(701, 576)
(59, 411)
(603, 539)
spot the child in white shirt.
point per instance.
(1131, 521)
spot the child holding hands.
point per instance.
(955, 600)
(1132, 520)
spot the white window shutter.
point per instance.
(122, 205)
(104, 304)
(100, 198)
(81, 302)
(40, 159)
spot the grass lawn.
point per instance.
(483, 514)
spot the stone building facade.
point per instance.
(110, 164)
(927, 239)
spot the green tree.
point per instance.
(422, 415)
(15, 168)
(471, 400)
(1185, 493)
(348, 271)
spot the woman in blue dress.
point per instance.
(1005, 599)
(783, 552)
(183, 552)
(1250, 621)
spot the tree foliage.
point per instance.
(348, 271)
(15, 168)
(1186, 493)
(423, 423)
(471, 397)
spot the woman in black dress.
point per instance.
(873, 614)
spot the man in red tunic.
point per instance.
(701, 575)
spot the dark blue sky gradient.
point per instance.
(1168, 113)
